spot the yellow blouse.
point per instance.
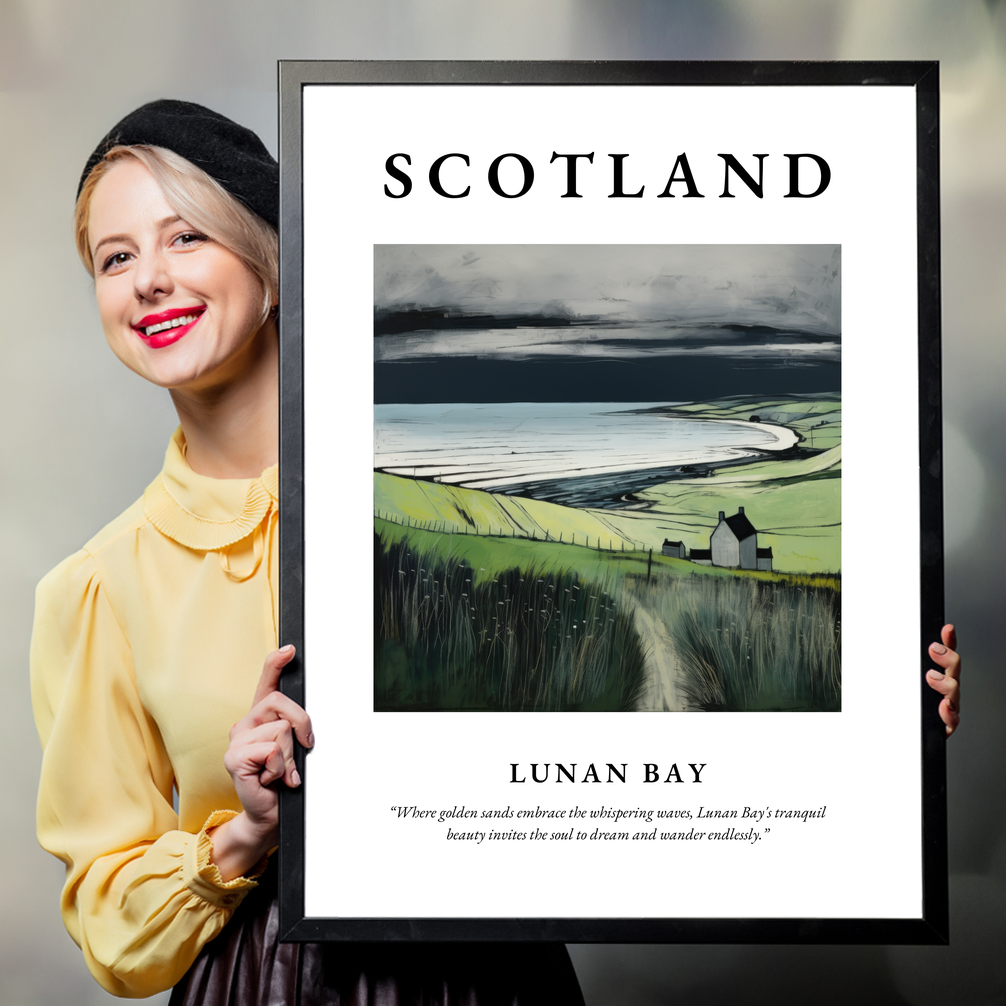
(147, 647)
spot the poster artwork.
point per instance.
(607, 477)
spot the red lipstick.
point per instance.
(166, 327)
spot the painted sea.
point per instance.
(586, 454)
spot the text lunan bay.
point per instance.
(610, 772)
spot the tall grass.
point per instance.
(447, 638)
(746, 644)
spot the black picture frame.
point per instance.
(931, 924)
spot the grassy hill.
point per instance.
(472, 511)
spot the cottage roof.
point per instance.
(764, 553)
(740, 526)
(702, 553)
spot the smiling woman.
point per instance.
(149, 643)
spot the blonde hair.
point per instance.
(199, 200)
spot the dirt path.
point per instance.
(661, 691)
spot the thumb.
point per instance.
(271, 671)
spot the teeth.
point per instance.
(174, 323)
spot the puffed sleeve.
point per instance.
(141, 898)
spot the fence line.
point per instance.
(452, 527)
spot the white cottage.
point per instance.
(734, 544)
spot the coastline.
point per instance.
(792, 494)
(571, 473)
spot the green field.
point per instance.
(488, 556)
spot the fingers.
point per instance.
(265, 752)
(944, 653)
(949, 636)
(271, 671)
(270, 703)
(947, 686)
(261, 750)
(950, 716)
(946, 681)
(948, 660)
(248, 762)
(948, 709)
(277, 706)
(263, 760)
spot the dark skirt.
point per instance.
(246, 965)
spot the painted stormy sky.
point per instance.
(516, 322)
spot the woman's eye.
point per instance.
(190, 238)
(114, 261)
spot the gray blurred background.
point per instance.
(82, 436)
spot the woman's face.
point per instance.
(177, 308)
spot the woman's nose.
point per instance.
(152, 277)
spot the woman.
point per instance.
(149, 642)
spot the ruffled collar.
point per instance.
(203, 513)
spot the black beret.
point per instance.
(231, 154)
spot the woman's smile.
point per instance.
(167, 327)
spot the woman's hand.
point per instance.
(260, 754)
(947, 682)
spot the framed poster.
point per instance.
(611, 498)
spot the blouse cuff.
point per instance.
(202, 876)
